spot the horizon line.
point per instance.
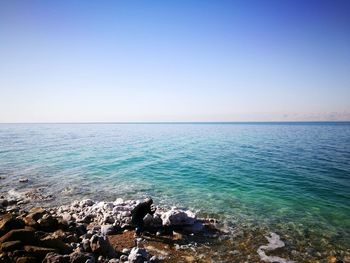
(179, 122)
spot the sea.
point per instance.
(288, 178)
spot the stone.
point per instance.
(23, 180)
(86, 202)
(39, 251)
(55, 242)
(9, 222)
(154, 259)
(154, 221)
(113, 260)
(78, 257)
(176, 217)
(24, 235)
(11, 245)
(26, 260)
(56, 258)
(100, 245)
(195, 228)
(3, 202)
(137, 255)
(126, 251)
(48, 223)
(123, 258)
(36, 213)
(107, 230)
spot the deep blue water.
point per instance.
(288, 177)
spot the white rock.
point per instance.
(178, 217)
(119, 201)
(137, 254)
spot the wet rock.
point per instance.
(11, 245)
(23, 180)
(4, 202)
(177, 217)
(56, 258)
(9, 222)
(78, 257)
(86, 202)
(25, 235)
(137, 255)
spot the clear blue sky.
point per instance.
(68, 61)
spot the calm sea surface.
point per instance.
(289, 178)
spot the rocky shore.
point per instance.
(90, 231)
(32, 230)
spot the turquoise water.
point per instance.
(289, 178)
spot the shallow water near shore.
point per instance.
(288, 178)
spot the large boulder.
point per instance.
(176, 217)
(25, 235)
(9, 222)
(153, 221)
(11, 245)
(101, 246)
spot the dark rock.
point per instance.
(4, 202)
(56, 258)
(9, 222)
(23, 180)
(26, 260)
(24, 235)
(11, 245)
(48, 223)
(78, 257)
(39, 251)
(55, 242)
(100, 245)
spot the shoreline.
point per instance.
(172, 235)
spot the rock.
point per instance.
(126, 251)
(113, 260)
(137, 255)
(100, 245)
(56, 258)
(107, 230)
(36, 213)
(86, 202)
(39, 251)
(177, 217)
(24, 235)
(23, 180)
(195, 228)
(331, 259)
(9, 222)
(26, 260)
(4, 202)
(11, 245)
(119, 201)
(48, 223)
(154, 259)
(123, 258)
(78, 257)
(86, 245)
(154, 221)
(55, 242)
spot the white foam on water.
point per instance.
(274, 243)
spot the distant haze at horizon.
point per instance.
(205, 61)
